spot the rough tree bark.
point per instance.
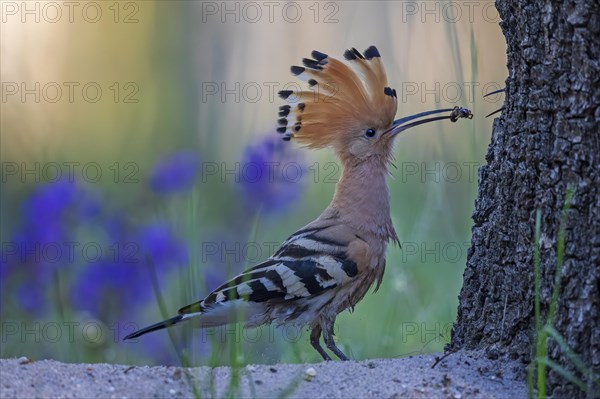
(547, 137)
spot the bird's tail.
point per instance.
(157, 326)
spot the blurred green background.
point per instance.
(127, 129)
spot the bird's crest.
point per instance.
(340, 97)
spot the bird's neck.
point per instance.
(362, 198)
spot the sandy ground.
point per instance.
(460, 375)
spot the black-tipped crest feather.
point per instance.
(346, 95)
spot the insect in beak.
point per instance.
(400, 125)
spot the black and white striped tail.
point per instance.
(307, 265)
(158, 326)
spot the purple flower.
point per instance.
(4, 271)
(115, 285)
(271, 174)
(176, 172)
(158, 241)
(108, 288)
(39, 246)
(49, 208)
(44, 211)
(30, 296)
(88, 205)
(50, 200)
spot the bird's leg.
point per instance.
(315, 336)
(328, 337)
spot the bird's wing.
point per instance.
(313, 260)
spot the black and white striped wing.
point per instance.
(304, 266)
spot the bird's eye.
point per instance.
(370, 133)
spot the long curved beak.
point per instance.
(400, 125)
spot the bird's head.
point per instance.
(349, 106)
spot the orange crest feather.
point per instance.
(341, 98)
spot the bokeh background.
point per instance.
(141, 167)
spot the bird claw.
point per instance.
(459, 112)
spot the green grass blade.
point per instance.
(536, 268)
(235, 349)
(562, 371)
(560, 252)
(291, 387)
(183, 360)
(531, 369)
(541, 342)
(454, 43)
(573, 357)
(541, 349)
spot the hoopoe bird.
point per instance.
(328, 265)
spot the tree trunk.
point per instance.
(547, 138)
